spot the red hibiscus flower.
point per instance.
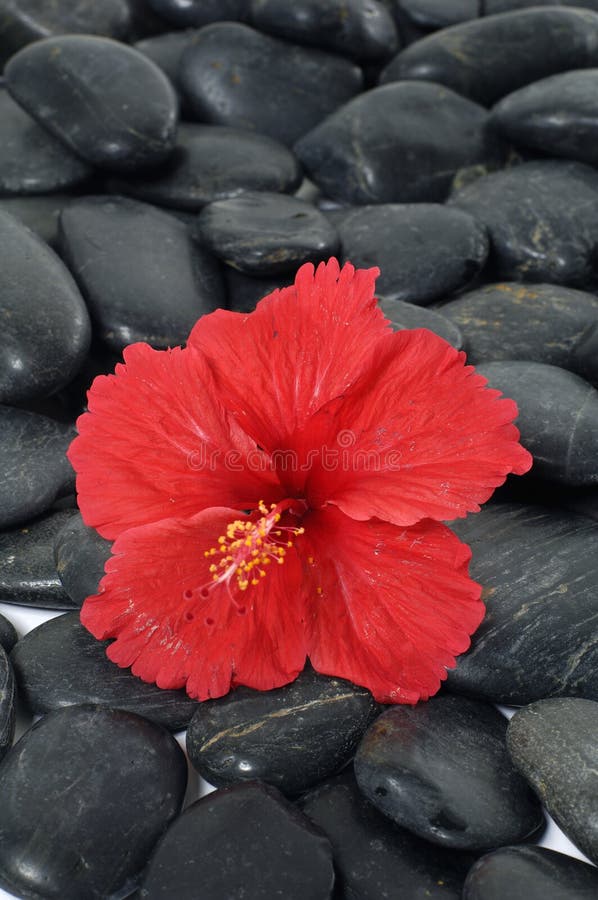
(276, 491)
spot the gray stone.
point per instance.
(406, 315)
(185, 13)
(80, 554)
(8, 634)
(533, 873)
(7, 703)
(27, 572)
(39, 213)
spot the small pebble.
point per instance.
(27, 572)
(533, 873)
(7, 703)
(79, 555)
(195, 13)
(406, 315)
(8, 634)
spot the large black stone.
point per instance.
(142, 275)
(538, 569)
(8, 634)
(233, 75)
(60, 663)
(104, 100)
(45, 324)
(399, 143)
(292, 737)
(263, 233)
(533, 873)
(80, 554)
(554, 744)
(7, 703)
(27, 572)
(39, 213)
(243, 841)
(373, 857)
(212, 162)
(245, 291)
(542, 219)
(86, 793)
(423, 250)
(406, 315)
(185, 13)
(441, 769)
(32, 459)
(487, 58)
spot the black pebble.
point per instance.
(38, 212)
(27, 572)
(533, 873)
(8, 634)
(80, 554)
(7, 703)
(245, 291)
(185, 13)
(403, 315)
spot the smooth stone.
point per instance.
(434, 14)
(545, 323)
(441, 770)
(542, 218)
(86, 793)
(406, 315)
(117, 121)
(423, 250)
(556, 115)
(33, 462)
(196, 13)
(143, 277)
(25, 21)
(554, 744)
(373, 857)
(60, 663)
(584, 354)
(492, 7)
(28, 575)
(244, 291)
(7, 703)
(242, 841)
(32, 161)
(364, 31)
(533, 873)
(234, 75)
(291, 737)
(80, 555)
(46, 330)
(539, 638)
(166, 50)
(144, 21)
(487, 58)
(263, 233)
(212, 162)
(558, 418)
(400, 143)
(38, 213)
(8, 634)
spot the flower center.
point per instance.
(248, 548)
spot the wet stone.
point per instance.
(558, 418)
(539, 638)
(196, 13)
(542, 219)
(60, 663)
(7, 703)
(264, 233)
(80, 554)
(406, 315)
(274, 847)
(234, 75)
(545, 323)
(487, 58)
(373, 857)
(535, 873)
(68, 84)
(400, 143)
(291, 737)
(27, 572)
(142, 275)
(554, 744)
(86, 793)
(45, 324)
(33, 462)
(212, 162)
(8, 634)
(364, 31)
(441, 769)
(423, 250)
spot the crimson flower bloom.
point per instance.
(276, 491)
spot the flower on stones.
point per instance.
(276, 492)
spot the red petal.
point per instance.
(396, 604)
(301, 347)
(420, 436)
(255, 637)
(157, 443)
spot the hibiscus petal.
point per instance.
(302, 346)
(157, 443)
(390, 607)
(419, 436)
(169, 633)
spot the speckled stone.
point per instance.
(7, 703)
(400, 143)
(27, 572)
(441, 770)
(487, 58)
(60, 663)
(86, 793)
(292, 737)
(538, 568)
(406, 315)
(533, 873)
(79, 555)
(554, 744)
(234, 75)
(8, 634)
(241, 841)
